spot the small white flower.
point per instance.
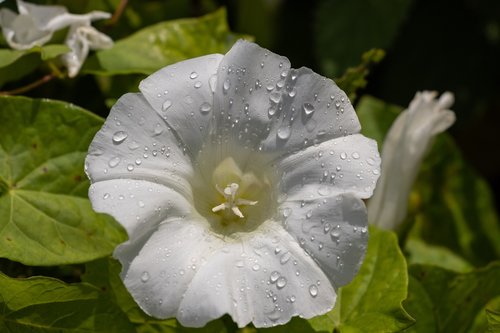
(409, 138)
(240, 183)
(35, 25)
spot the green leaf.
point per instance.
(105, 275)
(46, 216)
(42, 304)
(448, 301)
(15, 64)
(8, 56)
(418, 252)
(374, 298)
(346, 28)
(493, 321)
(163, 44)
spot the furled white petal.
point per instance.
(333, 231)
(81, 39)
(349, 164)
(266, 278)
(182, 94)
(159, 267)
(405, 145)
(138, 205)
(135, 143)
(248, 78)
(36, 24)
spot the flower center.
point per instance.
(232, 202)
(233, 199)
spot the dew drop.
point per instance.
(376, 171)
(145, 277)
(133, 145)
(130, 167)
(286, 212)
(271, 112)
(138, 161)
(197, 84)
(166, 105)
(158, 129)
(285, 258)
(106, 196)
(193, 75)
(205, 108)
(281, 283)
(119, 137)
(284, 132)
(274, 276)
(343, 155)
(226, 85)
(355, 155)
(292, 92)
(140, 203)
(212, 82)
(292, 299)
(324, 190)
(313, 290)
(114, 161)
(256, 267)
(308, 108)
(275, 97)
(370, 161)
(309, 214)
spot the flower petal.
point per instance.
(312, 109)
(135, 143)
(138, 205)
(247, 79)
(405, 145)
(158, 268)
(349, 164)
(182, 95)
(332, 230)
(264, 279)
(81, 39)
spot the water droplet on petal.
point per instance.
(308, 108)
(271, 112)
(343, 155)
(205, 108)
(286, 212)
(256, 267)
(197, 84)
(275, 97)
(166, 105)
(376, 171)
(140, 203)
(324, 190)
(158, 129)
(145, 277)
(130, 167)
(313, 290)
(193, 75)
(106, 196)
(119, 137)
(292, 92)
(114, 161)
(274, 276)
(355, 155)
(226, 85)
(133, 145)
(285, 258)
(281, 282)
(212, 82)
(284, 132)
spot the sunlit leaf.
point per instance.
(42, 304)
(446, 301)
(163, 44)
(374, 298)
(46, 217)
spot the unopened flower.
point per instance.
(36, 24)
(409, 138)
(240, 183)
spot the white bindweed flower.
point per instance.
(36, 24)
(240, 183)
(405, 145)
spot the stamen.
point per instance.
(232, 202)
